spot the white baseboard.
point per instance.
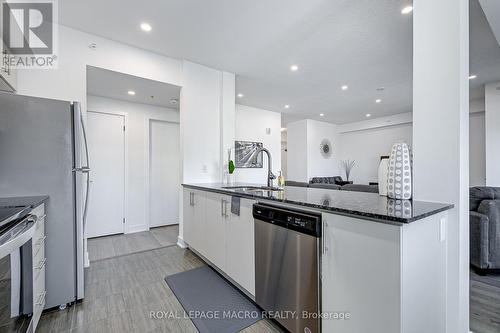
(181, 243)
(137, 228)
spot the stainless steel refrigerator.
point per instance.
(43, 151)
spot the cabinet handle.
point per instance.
(222, 207)
(41, 264)
(40, 241)
(225, 208)
(191, 198)
(41, 299)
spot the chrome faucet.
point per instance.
(270, 174)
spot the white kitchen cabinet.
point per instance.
(194, 220)
(389, 278)
(224, 239)
(217, 216)
(240, 247)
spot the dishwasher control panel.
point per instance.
(297, 220)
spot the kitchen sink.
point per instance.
(252, 188)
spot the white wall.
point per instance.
(317, 165)
(492, 118)
(477, 149)
(304, 159)
(366, 141)
(366, 146)
(135, 135)
(68, 82)
(297, 151)
(250, 125)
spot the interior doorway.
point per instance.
(164, 173)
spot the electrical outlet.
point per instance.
(205, 168)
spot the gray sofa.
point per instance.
(333, 186)
(484, 228)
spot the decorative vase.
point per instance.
(383, 171)
(230, 179)
(399, 182)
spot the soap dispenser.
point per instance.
(281, 180)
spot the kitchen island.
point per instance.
(382, 261)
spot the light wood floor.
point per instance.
(118, 245)
(121, 292)
(485, 303)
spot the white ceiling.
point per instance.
(484, 51)
(102, 82)
(365, 44)
(492, 10)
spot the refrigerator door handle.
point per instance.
(85, 169)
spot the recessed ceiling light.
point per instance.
(407, 10)
(321, 114)
(378, 101)
(368, 115)
(472, 77)
(146, 27)
(294, 68)
(287, 106)
(131, 92)
(283, 129)
(345, 87)
(240, 95)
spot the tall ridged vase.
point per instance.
(399, 182)
(383, 173)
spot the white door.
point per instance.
(164, 173)
(106, 138)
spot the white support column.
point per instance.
(227, 120)
(440, 136)
(492, 129)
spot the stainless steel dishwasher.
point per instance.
(287, 266)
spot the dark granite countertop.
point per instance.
(32, 201)
(368, 206)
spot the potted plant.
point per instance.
(348, 165)
(230, 168)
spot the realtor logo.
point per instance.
(29, 33)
